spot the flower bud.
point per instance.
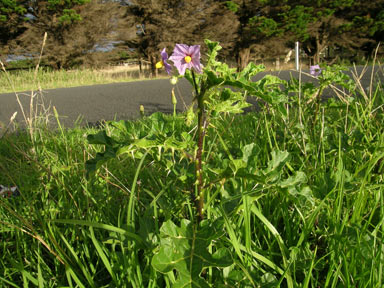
(174, 100)
(142, 110)
(173, 80)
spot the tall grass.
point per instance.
(306, 211)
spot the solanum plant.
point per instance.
(212, 94)
(217, 90)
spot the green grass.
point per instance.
(305, 210)
(25, 80)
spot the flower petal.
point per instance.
(315, 70)
(194, 51)
(176, 58)
(167, 67)
(164, 55)
(181, 49)
(197, 66)
(182, 68)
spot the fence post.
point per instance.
(297, 60)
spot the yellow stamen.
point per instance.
(159, 65)
(187, 59)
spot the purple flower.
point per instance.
(163, 62)
(186, 57)
(315, 70)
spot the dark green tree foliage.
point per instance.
(12, 18)
(73, 28)
(314, 23)
(269, 26)
(10, 7)
(259, 28)
(324, 23)
(162, 23)
(366, 22)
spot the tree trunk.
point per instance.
(316, 57)
(277, 63)
(243, 58)
(152, 61)
(320, 45)
(140, 66)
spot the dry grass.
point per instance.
(25, 80)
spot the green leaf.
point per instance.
(293, 184)
(304, 196)
(185, 248)
(268, 88)
(251, 70)
(213, 80)
(92, 165)
(237, 164)
(230, 106)
(276, 164)
(100, 138)
(145, 143)
(212, 45)
(213, 48)
(296, 179)
(269, 280)
(173, 144)
(248, 151)
(269, 80)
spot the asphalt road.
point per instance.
(87, 105)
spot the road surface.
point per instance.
(88, 105)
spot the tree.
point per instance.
(12, 20)
(313, 23)
(325, 23)
(365, 26)
(159, 24)
(259, 28)
(73, 28)
(268, 26)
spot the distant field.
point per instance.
(26, 80)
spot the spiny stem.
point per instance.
(199, 174)
(200, 140)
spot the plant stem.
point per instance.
(199, 176)
(200, 140)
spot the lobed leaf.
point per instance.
(185, 248)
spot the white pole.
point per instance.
(297, 60)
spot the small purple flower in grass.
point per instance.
(315, 70)
(186, 57)
(163, 62)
